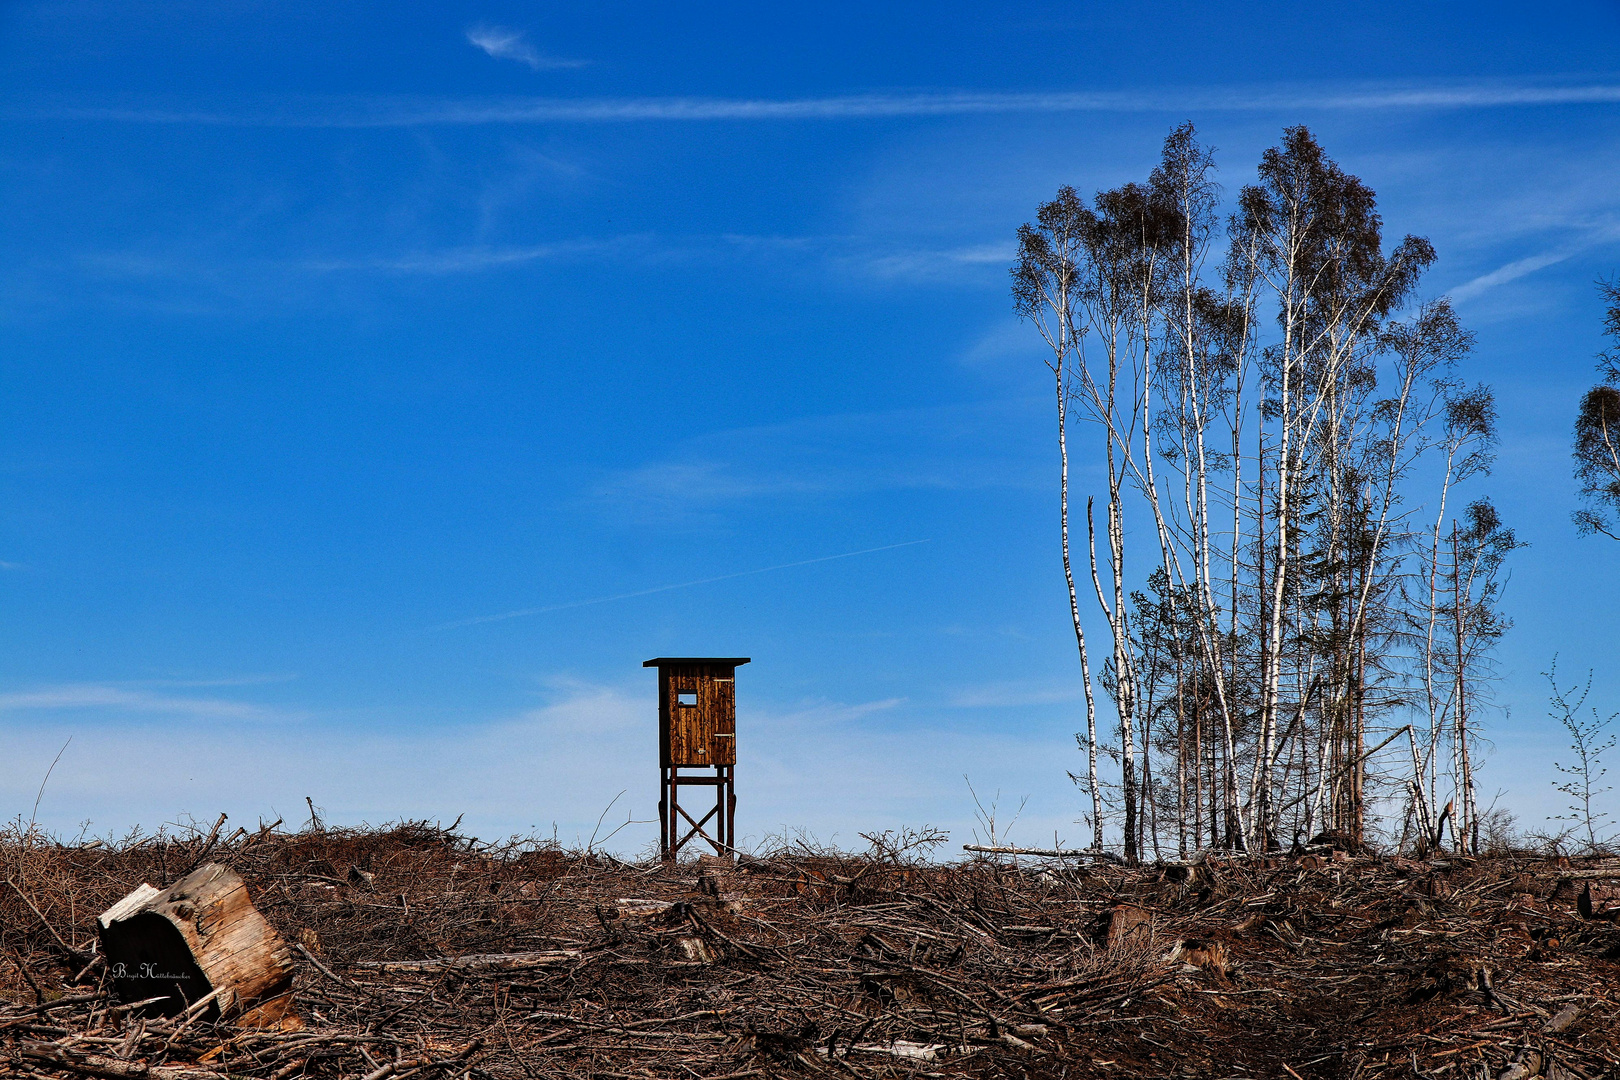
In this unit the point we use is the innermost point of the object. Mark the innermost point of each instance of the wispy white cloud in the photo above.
(928, 264)
(848, 259)
(1514, 270)
(1003, 342)
(1583, 232)
(108, 696)
(520, 613)
(400, 112)
(946, 448)
(465, 259)
(882, 258)
(228, 680)
(504, 44)
(1003, 695)
(704, 480)
(240, 276)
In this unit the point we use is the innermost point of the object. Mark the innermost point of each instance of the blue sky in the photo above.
(327, 331)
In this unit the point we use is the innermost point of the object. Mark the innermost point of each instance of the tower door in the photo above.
(691, 724)
(721, 709)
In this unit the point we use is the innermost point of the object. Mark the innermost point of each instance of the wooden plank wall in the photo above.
(705, 734)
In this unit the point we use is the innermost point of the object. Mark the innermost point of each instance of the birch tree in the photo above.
(1045, 284)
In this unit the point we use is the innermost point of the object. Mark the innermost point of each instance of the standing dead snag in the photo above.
(200, 937)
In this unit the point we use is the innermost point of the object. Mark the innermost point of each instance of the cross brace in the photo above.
(671, 837)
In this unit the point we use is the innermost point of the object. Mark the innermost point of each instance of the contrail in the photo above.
(666, 588)
(384, 112)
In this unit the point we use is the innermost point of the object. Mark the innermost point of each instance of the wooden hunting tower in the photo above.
(697, 729)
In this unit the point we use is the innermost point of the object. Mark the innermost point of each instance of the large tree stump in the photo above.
(201, 935)
(1125, 924)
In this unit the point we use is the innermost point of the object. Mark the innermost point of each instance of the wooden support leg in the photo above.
(731, 807)
(663, 813)
(720, 816)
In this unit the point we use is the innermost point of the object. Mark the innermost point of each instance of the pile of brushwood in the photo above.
(421, 953)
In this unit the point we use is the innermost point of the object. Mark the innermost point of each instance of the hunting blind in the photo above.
(697, 729)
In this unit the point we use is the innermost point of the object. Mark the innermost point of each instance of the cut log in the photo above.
(1566, 1016)
(641, 909)
(200, 935)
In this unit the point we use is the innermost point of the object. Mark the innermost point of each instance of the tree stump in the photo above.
(1126, 924)
(201, 935)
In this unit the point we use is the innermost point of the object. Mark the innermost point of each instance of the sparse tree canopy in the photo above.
(1597, 433)
(1597, 459)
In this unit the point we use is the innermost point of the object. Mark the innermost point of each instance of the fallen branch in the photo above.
(486, 962)
(1046, 853)
(112, 1068)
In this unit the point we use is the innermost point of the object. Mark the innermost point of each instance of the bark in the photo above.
(200, 937)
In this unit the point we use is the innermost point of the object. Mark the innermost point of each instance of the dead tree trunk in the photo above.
(202, 938)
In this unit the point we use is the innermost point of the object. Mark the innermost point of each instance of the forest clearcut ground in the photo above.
(545, 963)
